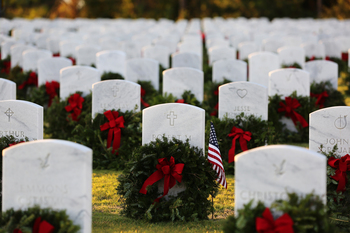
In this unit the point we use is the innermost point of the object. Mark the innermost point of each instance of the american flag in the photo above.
(214, 157)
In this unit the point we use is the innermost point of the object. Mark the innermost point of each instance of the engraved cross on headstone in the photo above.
(115, 89)
(9, 113)
(172, 117)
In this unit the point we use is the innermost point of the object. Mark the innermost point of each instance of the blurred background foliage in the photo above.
(174, 9)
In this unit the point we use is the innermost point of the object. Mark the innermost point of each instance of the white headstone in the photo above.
(49, 69)
(131, 48)
(7, 89)
(77, 78)
(186, 59)
(267, 173)
(247, 97)
(159, 53)
(6, 48)
(111, 61)
(260, 64)
(218, 53)
(67, 48)
(314, 50)
(143, 69)
(31, 57)
(332, 48)
(21, 119)
(86, 54)
(49, 173)
(323, 71)
(53, 44)
(289, 55)
(285, 81)
(115, 94)
(330, 127)
(230, 69)
(246, 48)
(271, 45)
(178, 80)
(16, 54)
(182, 121)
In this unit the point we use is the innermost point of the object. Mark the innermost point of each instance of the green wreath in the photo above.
(197, 176)
(24, 220)
(59, 124)
(5, 68)
(293, 65)
(110, 75)
(335, 98)
(262, 132)
(308, 214)
(88, 133)
(285, 135)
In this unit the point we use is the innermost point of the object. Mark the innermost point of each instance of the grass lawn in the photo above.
(106, 207)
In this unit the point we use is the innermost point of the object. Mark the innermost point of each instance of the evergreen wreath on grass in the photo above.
(41, 97)
(293, 65)
(307, 105)
(338, 198)
(88, 133)
(330, 98)
(187, 98)
(197, 176)
(25, 82)
(342, 65)
(25, 220)
(110, 75)
(148, 92)
(308, 215)
(7, 141)
(59, 122)
(5, 66)
(262, 132)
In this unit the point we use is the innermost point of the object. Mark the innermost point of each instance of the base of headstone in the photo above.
(289, 124)
(178, 188)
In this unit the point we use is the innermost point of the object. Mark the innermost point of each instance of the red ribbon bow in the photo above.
(51, 88)
(56, 54)
(7, 67)
(342, 165)
(321, 98)
(114, 125)
(75, 105)
(32, 80)
(345, 56)
(39, 227)
(243, 136)
(289, 107)
(73, 60)
(167, 169)
(143, 93)
(312, 58)
(15, 143)
(216, 108)
(266, 224)
(180, 101)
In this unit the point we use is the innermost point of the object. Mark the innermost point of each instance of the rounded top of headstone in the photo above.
(287, 70)
(142, 59)
(262, 53)
(92, 69)
(179, 69)
(330, 109)
(320, 62)
(21, 101)
(173, 105)
(106, 52)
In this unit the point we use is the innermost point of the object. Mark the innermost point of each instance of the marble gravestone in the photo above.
(77, 78)
(50, 173)
(157, 52)
(186, 59)
(178, 80)
(330, 127)
(86, 54)
(53, 44)
(31, 57)
(246, 48)
(143, 69)
(6, 48)
(323, 71)
(113, 61)
(182, 121)
(285, 81)
(237, 97)
(230, 69)
(49, 69)
(267, 173)
(7, 89)
(16, 54)
(115, 94)
(260, 64)
(289, 55)
(67, 48)
(314, 49)
(21, 119)
(218, 53)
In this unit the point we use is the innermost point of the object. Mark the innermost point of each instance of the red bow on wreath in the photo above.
(15, 143)
(75, 104)
(321, 98)
(167, 169)
(7, 67)
(32, 80)
(39, 227)
(114, 125)
(73, 60)
(266, 224)
(180, 101)
(345, 56)
(289, 107)
(243, 136)
(143, 93)
(312, 58)
(216, 108)
(51, 88)
(342, 165)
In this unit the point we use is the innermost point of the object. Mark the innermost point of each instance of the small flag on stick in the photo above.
(214, 157)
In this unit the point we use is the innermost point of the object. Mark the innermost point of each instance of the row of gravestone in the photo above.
(60, 171)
